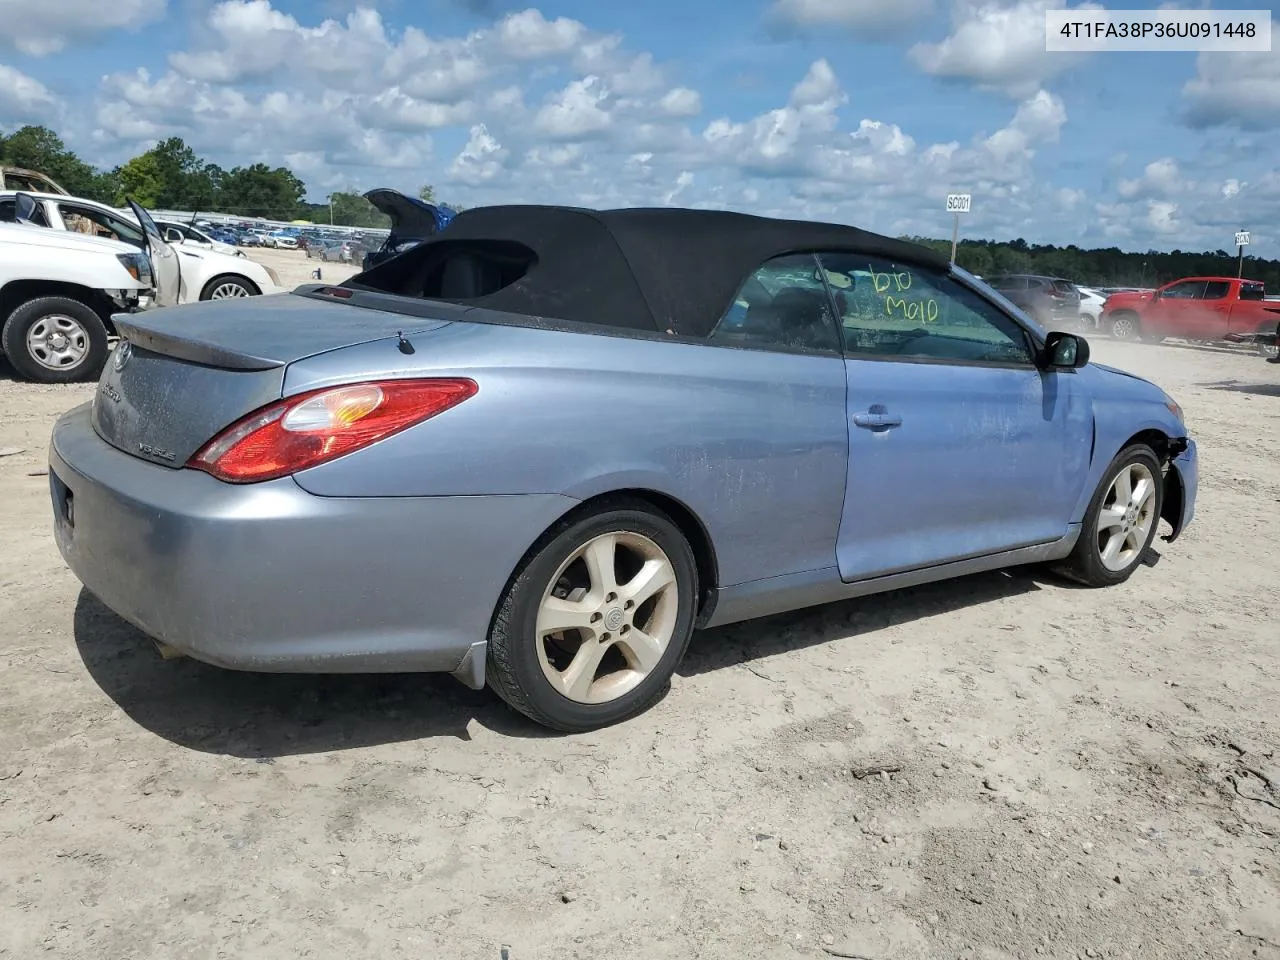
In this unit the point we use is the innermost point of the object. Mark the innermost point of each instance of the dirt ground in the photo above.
(1067, 773)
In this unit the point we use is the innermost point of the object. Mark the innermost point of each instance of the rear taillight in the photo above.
(312, 428)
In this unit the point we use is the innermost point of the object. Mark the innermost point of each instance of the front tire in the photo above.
(55, 340)
(228, 286)
(1125, 326)
(591, 628)
(1121, 520)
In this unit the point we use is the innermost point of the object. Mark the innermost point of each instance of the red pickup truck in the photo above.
(1195, 308)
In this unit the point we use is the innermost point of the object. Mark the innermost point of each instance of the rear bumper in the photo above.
(268, 577)
(1184, 471)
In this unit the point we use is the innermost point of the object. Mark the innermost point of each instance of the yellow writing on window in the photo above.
(924, 311)
(886, 284)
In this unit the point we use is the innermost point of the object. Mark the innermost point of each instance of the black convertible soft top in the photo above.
(650, 269)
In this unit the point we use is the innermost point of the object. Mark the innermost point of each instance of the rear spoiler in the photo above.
(132, 326)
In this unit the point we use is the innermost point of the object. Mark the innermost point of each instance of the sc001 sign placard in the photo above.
(958, 202)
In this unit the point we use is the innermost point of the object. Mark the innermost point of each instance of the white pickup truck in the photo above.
(58, 291)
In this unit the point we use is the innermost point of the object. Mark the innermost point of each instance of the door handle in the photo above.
(877, 418)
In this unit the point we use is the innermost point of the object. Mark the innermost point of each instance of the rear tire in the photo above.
(620, 660)
(55, 340)
(1118, 526)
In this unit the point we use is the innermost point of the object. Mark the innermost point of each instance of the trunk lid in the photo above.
(182, 374)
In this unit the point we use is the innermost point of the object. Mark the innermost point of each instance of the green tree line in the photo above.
(1105, 267)
(171, 176)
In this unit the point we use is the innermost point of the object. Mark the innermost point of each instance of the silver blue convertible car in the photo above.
(542, 447)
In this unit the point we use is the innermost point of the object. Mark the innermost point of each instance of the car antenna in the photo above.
(404, 345)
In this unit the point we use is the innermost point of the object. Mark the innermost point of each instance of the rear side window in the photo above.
(1064, 286)
(1253, 291)
(1215, 290)
(784, 305)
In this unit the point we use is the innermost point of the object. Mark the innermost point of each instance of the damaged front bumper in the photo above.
(1181, 482)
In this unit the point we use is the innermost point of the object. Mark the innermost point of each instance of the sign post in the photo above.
(1242, 241)
(957, 203)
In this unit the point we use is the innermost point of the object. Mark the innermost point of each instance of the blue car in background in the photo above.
(543, 445)
(412, 221)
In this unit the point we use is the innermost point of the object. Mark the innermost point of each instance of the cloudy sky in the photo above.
(864, 111)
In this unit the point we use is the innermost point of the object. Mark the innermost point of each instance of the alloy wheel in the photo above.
(607, 617)
(1127, 516)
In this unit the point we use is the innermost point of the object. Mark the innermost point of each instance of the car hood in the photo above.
(411, 218)
(1129, 299)
(37, 236)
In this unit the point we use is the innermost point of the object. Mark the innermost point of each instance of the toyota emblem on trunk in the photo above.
(123, 353)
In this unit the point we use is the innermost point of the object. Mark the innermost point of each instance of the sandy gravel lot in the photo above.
(1068, 773)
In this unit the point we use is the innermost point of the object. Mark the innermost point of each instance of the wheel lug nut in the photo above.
(611, 597)
(628, 605)
(595, 617)
(626, 628)
(604, 636)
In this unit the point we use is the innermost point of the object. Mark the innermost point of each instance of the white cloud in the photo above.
(42, 27)
(868, 18)
(480, 160)
(681, 102)
(1160, 179)
(1237, 89)
(579, 110)
(998, 45)
(529, 35)
(23, 98)
(527, 108)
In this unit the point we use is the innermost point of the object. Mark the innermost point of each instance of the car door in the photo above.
(1172, 312)
(1210, 318)
(959, 445)
(164, 259)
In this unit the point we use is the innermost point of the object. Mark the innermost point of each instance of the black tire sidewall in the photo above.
(222, 278)
(1088, 556)
(13, 340)
(544, 702)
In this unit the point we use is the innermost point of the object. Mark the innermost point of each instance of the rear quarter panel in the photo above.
(753, 443)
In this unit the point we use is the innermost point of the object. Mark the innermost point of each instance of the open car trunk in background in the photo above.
(412, 221)
(181, 375)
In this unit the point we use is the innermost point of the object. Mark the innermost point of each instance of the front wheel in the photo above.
(1125, 326)
(55, 340)
(590, 630)
(227, 287)
(1121, 520)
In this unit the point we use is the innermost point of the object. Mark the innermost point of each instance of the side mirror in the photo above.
(174, 236)
(1155, 294)
(1064, 351)
(24, 207)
